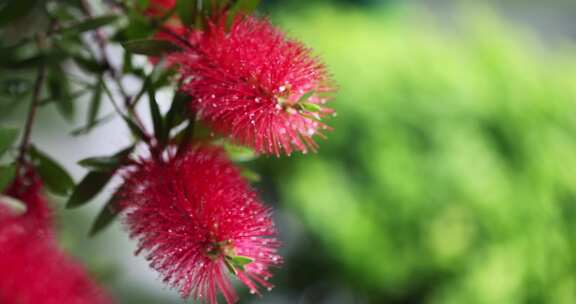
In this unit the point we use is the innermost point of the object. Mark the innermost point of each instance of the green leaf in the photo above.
(177, 113)
(306, 96)
(241, 6)
(95, 103)
(245, 6)
(139, 27)
(238, 153)
(160, 77)
(89, 187)
(230, 265)
(127, 65)
(59, 89)
(54, 176)
(7, 174)
(310, 107)
(241, 260)
(187, 11)
(89, 25)
(250, 175)
(106, 163)
(105, 217)
(89, 65)
(155, 112)
(150, 47)
(235, 263)
(73, 95)
(13, 10)
(87, 128)
(15, 87)
(7, 138)
(134, 128)
(52, 57)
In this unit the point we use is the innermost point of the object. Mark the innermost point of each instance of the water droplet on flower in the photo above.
(281, 89)
(252, 291)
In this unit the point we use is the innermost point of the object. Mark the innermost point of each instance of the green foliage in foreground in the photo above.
(450, 175)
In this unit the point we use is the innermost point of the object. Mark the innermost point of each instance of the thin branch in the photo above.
(114, 73)
(177, 37)
(30, 118)
(146, 137)
(112, 99)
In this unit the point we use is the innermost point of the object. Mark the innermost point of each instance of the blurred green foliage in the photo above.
(449, 176)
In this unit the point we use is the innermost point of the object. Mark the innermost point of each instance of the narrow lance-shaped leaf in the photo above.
(95, 103)
(90, 24)
(106, 216)
(7, 138)
(106, 163)
(155, 112)
(53, 175)
(87, 128)
(241, 261)
(13, 10)
(230, 265)
(245, 6)
(235, 263)
(89, 187)
(59, 89)
(310, 107)
(7, 174)
(241, 6)
(134, 128)
(52, 56)
(176, 114)
(89, 65)
(250, 175)
(188, 11)
(239, 153)
(150, 47)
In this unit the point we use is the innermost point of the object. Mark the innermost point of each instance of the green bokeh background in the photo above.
(449, 175)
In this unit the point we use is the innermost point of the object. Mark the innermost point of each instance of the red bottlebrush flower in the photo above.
(33, 269)
(197, 220)
(254, 84)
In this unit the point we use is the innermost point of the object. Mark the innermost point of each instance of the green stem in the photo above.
(30, 118)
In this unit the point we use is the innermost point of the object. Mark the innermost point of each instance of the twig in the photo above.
(38, 84)
(169, 32)
(114, 73)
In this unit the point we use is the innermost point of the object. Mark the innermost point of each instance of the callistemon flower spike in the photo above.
(252, 83)
(200, 223)
(33, 270)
